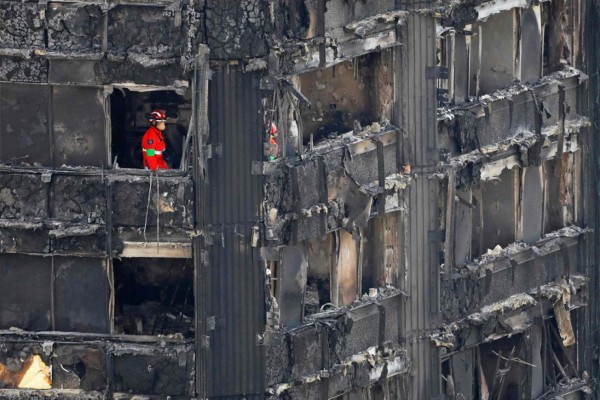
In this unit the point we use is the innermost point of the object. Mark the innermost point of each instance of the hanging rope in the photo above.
(157, 213)
(148, 207)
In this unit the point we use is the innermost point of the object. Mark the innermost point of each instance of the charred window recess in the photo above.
(129, 122)
(383, 251)
(561, 199)
(557, 353)
(347, 97)
(154, 296)
(335, 265)
(494, 46)
(321, 258)
(520, 204)
(493, 54)
(444, 63)
(343, 267)
(504, 368)
(496, 370)
(561, 33)
(495, 212)
(453, 55)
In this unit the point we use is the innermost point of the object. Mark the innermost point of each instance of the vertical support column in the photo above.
(233, 315)
(200, 133)
(415, 113)
(591, 178)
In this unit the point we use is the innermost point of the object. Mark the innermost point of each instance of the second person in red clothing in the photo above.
(153, 142)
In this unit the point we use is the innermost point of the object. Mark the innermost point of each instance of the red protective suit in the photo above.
(153, 145)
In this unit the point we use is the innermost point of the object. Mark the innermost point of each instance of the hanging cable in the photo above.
(148, 206)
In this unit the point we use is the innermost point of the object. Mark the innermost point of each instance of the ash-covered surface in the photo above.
(78, 242)
(79, 200)
(163, 374)
(331, 341)
(173, 202)
(493, 277)
(81, 367)
(66, 213)
(22, 196)
(460, 295)
(20, 26)
(87, 366)
(154, 31)
(236, 29)
(75, 28)
(23, 69)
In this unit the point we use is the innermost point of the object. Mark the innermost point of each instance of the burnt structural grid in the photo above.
(391, 199)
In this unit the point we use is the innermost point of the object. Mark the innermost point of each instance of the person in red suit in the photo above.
(153, 142)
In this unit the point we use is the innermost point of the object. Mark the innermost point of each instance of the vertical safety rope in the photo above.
(148, 206)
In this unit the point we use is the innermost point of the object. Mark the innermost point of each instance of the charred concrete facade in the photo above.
(424, 230)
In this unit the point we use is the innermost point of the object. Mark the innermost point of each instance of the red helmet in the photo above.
(157, 116)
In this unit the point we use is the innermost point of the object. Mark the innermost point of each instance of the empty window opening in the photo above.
(530, 44)
(495, 217)
(560, 360)
(447, 379)
(382, 252)
(318, 293)
(321, 258)
(556, 51)
(130, 112)
(553, 199)
(503, 372)
(497, 43)
(154, 296)
(347, 97)
(443, 51)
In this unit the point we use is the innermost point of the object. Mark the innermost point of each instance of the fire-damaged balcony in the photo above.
(541, 107)
(355, 179)
(343, 238)
(47, 212)
(340, 351)
(513, 279)
(520, 310)
(88, 366)
(519, 174)
(336, 34)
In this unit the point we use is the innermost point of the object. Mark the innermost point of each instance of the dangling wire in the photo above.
(148, 206)
(157, 213)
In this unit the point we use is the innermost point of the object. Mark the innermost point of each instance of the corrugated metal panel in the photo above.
(234, 283)
(416, 113)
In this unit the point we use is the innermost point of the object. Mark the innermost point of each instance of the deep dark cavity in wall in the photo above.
(154, 296)
(345, 97)
(503, 376)
(556, 49)
(129, 120)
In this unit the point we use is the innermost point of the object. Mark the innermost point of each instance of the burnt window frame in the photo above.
(187, 145)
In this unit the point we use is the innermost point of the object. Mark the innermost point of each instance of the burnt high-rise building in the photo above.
(365, 199)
